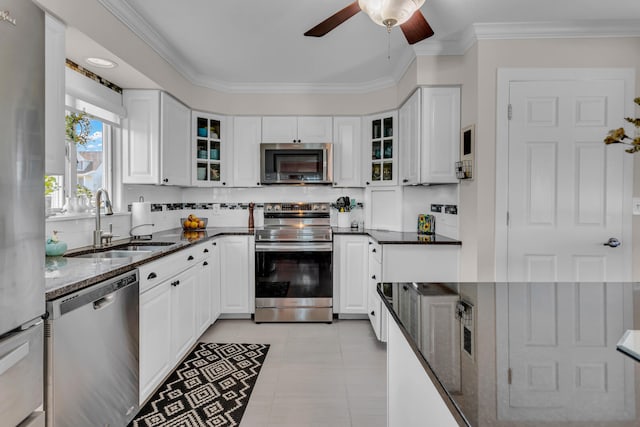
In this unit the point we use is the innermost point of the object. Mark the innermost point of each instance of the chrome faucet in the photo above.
(98, 235)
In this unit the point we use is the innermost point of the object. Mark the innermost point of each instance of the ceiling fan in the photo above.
(388, 13)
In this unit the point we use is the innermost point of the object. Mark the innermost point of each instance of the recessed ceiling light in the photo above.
(101, 62)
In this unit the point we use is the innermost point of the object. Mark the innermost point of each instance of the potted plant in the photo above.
(617, 136)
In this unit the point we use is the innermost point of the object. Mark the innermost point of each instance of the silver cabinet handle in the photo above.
(613, 242)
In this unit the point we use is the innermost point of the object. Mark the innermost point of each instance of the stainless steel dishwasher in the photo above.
(91, 350)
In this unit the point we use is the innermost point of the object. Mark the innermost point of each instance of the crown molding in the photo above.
(141, 28)
(560, 29)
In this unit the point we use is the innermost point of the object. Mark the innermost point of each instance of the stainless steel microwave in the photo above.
(296, 163)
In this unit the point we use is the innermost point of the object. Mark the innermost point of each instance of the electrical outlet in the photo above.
(451, 209)
(216, 209)
(636, 205)
(436, 208)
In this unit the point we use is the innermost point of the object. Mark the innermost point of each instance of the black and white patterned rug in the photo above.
(211, 388)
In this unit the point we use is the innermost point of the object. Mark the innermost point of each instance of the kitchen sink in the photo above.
(141, 246)
(124, 250)
(114, 253)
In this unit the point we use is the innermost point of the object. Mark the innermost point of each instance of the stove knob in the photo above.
(277, 208)
(315, 207)
(324, 208)
(268, 208)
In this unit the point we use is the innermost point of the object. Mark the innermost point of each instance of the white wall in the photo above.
(494, 54)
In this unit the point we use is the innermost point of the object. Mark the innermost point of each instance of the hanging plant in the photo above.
(77, 128)
(617, 136)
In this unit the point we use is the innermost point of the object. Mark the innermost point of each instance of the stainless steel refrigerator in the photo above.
(22, 300)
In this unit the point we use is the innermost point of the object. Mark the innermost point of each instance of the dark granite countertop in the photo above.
(386, 237)
(524, 354)
(66, 274)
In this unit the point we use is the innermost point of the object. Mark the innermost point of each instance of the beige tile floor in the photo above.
(314, 375)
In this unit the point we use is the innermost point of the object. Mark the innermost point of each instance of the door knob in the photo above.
(613, 242)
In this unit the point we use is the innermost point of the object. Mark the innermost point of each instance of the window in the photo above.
(88, 168)
(91, 162)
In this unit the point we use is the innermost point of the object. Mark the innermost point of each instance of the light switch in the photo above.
(636, 205)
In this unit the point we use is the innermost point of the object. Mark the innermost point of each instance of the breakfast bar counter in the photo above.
(387, 237)
(511, 354)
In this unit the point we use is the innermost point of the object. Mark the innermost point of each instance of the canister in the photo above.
(426, 224)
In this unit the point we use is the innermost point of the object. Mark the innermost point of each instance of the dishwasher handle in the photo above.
(104, 301)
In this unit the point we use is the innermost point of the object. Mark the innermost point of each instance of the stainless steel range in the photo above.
(294, 273)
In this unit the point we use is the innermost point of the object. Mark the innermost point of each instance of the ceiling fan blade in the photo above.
(416, 28)
(334, 20)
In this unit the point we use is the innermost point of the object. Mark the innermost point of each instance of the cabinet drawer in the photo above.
(156, 272)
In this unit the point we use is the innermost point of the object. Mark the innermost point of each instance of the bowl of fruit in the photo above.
(192, 222)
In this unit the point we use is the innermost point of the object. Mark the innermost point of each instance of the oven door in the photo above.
(294, 281)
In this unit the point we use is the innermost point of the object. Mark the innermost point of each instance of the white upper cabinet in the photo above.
(296, 129)
(429, 133)
(381, 149)
(211, 155)
(141, 137)
(440, 124)
(409, 140)
(176, 125)
(347, 152)
(54, 59)
(247, 134)
(155, 143)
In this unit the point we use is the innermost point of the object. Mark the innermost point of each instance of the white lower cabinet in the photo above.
(174, 311)
(377, 316)
(183, 314)
(204, 294)
(350, 257)
(155, 339)
(236, 274)
(215, 280)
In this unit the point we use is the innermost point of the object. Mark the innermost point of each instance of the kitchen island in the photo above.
(518, 354)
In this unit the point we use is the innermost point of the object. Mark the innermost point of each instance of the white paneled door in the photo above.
(566, 188)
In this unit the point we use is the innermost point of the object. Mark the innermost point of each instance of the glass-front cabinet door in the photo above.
(209, 155)
(381, 156)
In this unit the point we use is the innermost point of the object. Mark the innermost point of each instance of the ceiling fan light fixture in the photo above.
(390, 13)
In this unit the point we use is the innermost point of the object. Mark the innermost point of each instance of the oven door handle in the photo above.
(294, 247)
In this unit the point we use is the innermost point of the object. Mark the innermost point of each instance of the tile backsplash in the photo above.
(227, 207)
